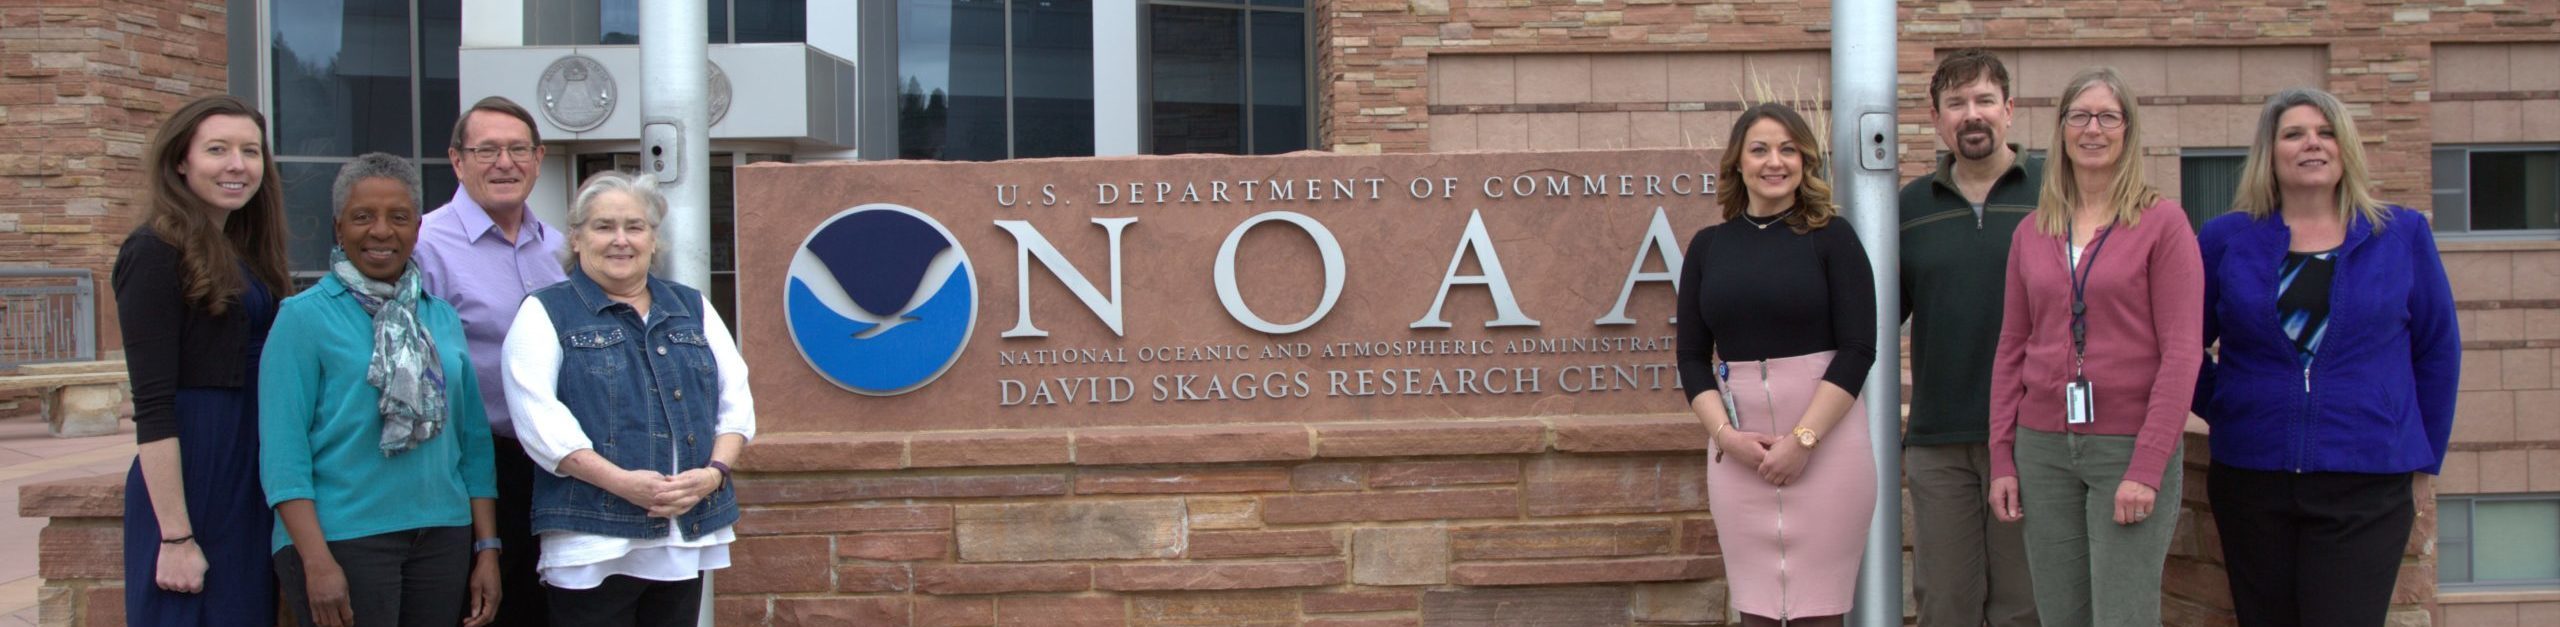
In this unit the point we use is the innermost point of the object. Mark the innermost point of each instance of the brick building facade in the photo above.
(1570, 520)
(82, 85)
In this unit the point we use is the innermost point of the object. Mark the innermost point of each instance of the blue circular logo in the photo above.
(881, 299)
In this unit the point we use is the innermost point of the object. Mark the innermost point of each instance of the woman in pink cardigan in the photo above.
(2099, 345)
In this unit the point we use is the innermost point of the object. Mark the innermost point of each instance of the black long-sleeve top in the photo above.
(168, 343)
(1749, 294)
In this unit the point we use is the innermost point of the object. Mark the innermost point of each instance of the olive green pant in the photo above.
(2087, 570)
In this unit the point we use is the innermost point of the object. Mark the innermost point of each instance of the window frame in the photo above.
(2458, 186)
(1147, 61)
(2471, 543)
(429, 151)
(1012, 126)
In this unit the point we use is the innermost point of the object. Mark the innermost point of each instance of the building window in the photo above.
(2502, 541)
(348, 77)
(1228, 78)
(2504, 190)
(617, 22)
(2208, 179)
(981, 80)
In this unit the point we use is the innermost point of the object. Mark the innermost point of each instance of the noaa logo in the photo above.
(881, 299)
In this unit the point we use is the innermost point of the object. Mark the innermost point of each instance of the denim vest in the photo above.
(646, 393)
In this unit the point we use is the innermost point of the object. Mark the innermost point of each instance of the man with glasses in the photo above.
(483, 252)
(1968, 569)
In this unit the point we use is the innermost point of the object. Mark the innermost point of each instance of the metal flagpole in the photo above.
(675, 146)
(1864, 177)
(675, 131)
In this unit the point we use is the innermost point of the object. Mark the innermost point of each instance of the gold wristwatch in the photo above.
(1807, 437)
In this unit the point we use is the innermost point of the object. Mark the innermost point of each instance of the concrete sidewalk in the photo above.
(28, 455)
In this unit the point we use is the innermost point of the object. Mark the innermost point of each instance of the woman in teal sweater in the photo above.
(374, 449)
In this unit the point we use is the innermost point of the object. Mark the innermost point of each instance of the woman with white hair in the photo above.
(628, 391)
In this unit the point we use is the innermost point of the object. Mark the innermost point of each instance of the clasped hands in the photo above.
(1779, 460)
(665, 496)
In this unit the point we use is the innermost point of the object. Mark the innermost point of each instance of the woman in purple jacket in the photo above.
(2335, 377)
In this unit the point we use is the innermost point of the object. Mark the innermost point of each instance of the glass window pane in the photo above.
(772, 21)
(618, 22)
(1197, 70)
(342, 77)
(440, 80)
(2206, 185)
(306, 214)
(951, 80)
(2525, 536)
(2515, 190)
(716, 19)
(724, 206)
(439, 182)
(1053, 78)
(1279, 82)
(2453, 540)
(2453, 176)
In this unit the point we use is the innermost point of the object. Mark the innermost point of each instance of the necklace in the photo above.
(1773, 220)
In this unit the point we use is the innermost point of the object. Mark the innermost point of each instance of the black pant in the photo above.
(524, 604)
(624, 601)
(2318, 548)
(411, 578)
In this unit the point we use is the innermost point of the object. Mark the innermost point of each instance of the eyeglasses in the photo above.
(489, 154)
(2080, 119)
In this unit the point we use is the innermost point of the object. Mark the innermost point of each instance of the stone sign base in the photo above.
(1562, 521)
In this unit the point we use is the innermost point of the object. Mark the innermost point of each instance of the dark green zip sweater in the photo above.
(1954, 267)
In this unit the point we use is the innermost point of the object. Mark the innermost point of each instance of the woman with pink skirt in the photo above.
(1777, 330)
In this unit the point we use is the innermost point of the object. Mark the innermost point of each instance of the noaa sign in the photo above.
(882, 299)
(1183, 290)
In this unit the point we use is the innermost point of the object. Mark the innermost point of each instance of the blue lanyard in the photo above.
(2079, 272)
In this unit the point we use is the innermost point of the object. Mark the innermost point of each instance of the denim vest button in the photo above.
(662, 350)
(679, 394)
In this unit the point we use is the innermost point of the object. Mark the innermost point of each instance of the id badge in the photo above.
(1724, 381)
(2078, 406)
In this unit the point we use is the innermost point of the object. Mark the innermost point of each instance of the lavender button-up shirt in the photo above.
(465, 259)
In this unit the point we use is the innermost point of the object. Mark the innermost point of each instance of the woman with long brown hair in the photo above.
(196, 289)
(1777, 328)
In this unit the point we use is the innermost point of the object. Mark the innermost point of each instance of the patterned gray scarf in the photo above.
(405, 365)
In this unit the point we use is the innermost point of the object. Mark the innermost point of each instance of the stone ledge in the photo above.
(1192, 445)
(834, 489)
(1629, 434)
(1491, 437)
(1220, 444)
(990, 448)
(99, 496)
(797, 452)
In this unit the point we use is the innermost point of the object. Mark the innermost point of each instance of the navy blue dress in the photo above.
(218, 449)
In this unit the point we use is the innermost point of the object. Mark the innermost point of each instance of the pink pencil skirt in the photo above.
(1793, 552)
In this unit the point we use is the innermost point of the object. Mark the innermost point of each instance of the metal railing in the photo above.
(47, 315)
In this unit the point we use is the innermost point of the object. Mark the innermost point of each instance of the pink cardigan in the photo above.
(2146, 339)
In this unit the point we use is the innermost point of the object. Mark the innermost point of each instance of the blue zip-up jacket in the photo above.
(2377, 398)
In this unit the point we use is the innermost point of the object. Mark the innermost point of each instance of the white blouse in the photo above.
(579, 561)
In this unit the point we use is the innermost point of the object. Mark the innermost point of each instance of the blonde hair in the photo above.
(2258, 195)
(1813, 208)
(2128, 196)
